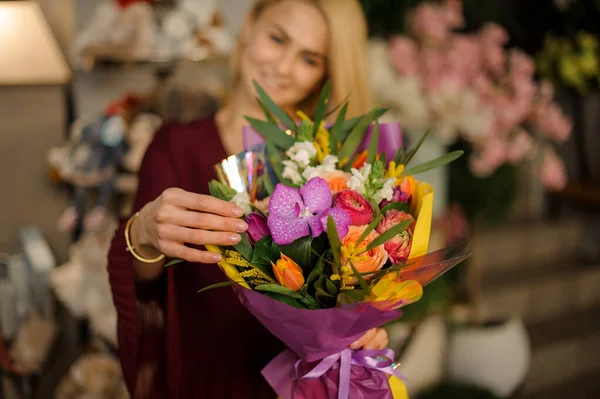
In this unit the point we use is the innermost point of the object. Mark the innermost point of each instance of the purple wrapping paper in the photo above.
(390, 138)
(312, 335)
(317, 333)
(365, 383)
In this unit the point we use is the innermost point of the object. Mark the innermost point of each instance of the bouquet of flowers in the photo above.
(337, 243)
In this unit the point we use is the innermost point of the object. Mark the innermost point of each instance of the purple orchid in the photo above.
(297, 213)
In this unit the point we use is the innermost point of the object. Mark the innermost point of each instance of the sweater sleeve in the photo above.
(132, 299)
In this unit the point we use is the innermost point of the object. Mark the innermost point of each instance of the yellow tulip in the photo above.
(391, 292)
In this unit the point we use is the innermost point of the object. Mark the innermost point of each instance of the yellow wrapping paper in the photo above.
(229, 270)
(398, 388)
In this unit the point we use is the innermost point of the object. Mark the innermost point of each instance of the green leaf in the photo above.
(374, 144)
(375, 206)
(400, 206)
(399, 156)
(348, 166)
(383, 160)
(221, 191)
(326, 291)
(374, 223)
(352, 295)
(218, 285)
(294, 302)
(261, 255)
(321, 107)
(271, 133)
(304, 251)
(411, 153)
(334, 243)
(310, 302)
(267, 184)
(305, 132)
(351, 123)
(275, 161)
(313, 276)
(361, 281)
(174, 262)
(434, 163)
(268, 115)
(388, 235)
(274, 108)
(355, 137)
(335, 132)
(334, 109)
(244, 247)
(278, 289)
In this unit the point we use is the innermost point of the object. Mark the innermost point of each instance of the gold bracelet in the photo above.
(130, 247)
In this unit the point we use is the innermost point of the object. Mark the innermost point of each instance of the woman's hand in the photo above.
(178, 217)
(376, 338)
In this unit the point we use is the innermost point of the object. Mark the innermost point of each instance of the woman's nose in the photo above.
(285, 63)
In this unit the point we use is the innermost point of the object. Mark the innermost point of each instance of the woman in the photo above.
(175, 343)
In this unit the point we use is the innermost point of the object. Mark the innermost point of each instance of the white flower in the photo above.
(328, 166)
(290, 171)
(243, 201)
(387, 192)
(302, 153)
(329, 163)
(357, 181)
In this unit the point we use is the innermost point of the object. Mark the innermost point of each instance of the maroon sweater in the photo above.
(175, 342)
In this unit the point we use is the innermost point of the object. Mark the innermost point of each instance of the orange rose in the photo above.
(369, 261)
(337, 181)
(288, 273)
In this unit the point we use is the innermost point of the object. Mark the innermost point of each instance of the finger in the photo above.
(200, 220)
(188, 254)
(380, 340)
(169, 232)
(200, 202)
(364, 339)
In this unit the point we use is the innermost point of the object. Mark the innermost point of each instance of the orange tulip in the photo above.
(288, 273)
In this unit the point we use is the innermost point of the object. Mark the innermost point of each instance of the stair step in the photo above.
(563, 349)
(536, 295)
(516, 246)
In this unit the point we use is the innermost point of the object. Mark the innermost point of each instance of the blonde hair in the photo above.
(346, 55)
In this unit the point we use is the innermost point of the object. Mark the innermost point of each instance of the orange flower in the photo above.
(337, 181)
(288, 273)
(360, 159)
(369, 261)
(406, 184)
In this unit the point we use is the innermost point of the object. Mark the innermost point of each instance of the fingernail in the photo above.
(235, 238)
(217, 257)
(241, 226)
(237, 212)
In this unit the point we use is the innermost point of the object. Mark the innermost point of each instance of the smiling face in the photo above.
(285, 52)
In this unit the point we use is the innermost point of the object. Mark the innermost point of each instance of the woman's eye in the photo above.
(277, 39)
(311, 61)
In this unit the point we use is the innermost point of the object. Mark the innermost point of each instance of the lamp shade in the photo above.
(29, 52)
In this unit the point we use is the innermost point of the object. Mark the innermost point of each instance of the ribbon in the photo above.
(375, 359)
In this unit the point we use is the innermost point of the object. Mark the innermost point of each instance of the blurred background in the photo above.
(515, 84)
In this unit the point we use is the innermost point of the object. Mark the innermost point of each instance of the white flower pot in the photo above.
(496, 356)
